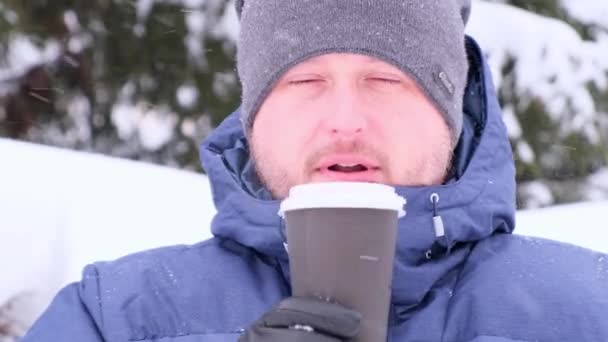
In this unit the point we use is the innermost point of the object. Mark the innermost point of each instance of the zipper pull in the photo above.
(441, 241)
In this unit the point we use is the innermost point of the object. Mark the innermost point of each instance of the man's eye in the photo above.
(385, 80)
(304, 81)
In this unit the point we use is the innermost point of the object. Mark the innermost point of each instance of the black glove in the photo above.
(305, 320)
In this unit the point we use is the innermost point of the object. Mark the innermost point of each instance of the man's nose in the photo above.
(347, 115)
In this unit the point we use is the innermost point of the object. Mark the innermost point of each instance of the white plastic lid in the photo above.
(343, 195)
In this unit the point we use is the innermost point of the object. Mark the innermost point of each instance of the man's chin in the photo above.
(331, 176)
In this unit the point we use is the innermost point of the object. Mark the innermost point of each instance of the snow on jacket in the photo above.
(480, 284)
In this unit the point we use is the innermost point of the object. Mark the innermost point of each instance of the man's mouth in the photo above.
(348, 168)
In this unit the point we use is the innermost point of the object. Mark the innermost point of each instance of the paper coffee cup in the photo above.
(341, 244)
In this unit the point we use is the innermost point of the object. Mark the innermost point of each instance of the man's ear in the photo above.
(465, 10)
(238, 4)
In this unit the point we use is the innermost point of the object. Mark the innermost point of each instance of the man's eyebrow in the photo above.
(375, 61)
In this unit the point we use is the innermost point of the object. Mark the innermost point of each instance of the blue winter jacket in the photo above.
(481, 284)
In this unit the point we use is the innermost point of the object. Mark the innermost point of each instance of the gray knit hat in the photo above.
(423, 38)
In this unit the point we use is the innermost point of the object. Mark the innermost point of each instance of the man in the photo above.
(384, 91)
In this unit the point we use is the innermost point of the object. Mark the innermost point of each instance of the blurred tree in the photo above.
(137, 79)
(558, 147)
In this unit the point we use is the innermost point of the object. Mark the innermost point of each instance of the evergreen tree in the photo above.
(555, 149)
(121, 68)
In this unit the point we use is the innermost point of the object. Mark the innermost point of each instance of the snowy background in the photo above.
(147, 80)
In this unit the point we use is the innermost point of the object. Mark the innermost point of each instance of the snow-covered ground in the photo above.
(61, 209)
(584, 224)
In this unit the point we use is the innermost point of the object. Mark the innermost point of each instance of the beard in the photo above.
(279, 173)
(278, 178)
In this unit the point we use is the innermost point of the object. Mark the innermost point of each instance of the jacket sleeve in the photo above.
(73, 315)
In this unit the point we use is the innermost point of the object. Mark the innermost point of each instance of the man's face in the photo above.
(348, 117)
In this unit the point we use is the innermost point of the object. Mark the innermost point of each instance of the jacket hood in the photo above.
(478, 202)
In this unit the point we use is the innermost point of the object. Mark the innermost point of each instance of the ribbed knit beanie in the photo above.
(423, 38)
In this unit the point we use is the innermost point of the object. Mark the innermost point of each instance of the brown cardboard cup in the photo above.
(341, 244)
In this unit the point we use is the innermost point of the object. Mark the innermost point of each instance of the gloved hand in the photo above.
(305, 320)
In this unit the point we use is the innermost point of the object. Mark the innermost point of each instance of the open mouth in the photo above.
(348, 168)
